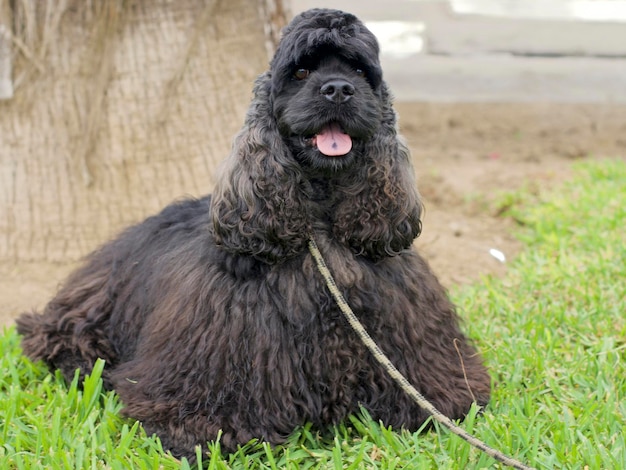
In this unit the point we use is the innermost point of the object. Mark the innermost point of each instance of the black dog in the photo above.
(212, 315)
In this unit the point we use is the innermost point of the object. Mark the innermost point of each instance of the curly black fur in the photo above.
(212, 316)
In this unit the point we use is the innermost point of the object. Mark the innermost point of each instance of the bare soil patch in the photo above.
(465, 156)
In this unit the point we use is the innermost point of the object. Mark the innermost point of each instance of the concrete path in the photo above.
(477, 58)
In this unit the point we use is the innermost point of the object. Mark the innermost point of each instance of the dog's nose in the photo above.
(337, 91)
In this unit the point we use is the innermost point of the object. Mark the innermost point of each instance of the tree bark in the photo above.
(119, 107)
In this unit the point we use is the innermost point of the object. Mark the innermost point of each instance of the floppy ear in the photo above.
(257, 207)
(380, 212)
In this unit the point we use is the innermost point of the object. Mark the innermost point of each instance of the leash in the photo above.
(395, 374)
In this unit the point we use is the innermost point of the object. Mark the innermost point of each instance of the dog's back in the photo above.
(101, 308)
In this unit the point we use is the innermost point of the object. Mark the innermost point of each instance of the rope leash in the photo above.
(395, 374)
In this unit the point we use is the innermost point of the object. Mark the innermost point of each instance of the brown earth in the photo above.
(465, 156)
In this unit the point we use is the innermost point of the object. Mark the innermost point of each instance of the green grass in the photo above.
(553, 332)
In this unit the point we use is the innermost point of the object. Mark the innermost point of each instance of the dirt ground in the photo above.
(465, 156)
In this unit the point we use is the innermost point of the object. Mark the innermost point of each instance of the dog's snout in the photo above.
(338, 91)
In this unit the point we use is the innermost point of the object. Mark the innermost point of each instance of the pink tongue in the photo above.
(332, 142)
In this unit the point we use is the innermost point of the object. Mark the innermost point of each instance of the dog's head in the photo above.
(321, 115)
(326, 88)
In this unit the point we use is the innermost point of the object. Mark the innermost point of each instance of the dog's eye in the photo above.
(301, 74)
(360, 72)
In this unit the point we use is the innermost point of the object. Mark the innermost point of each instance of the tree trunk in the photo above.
(119, 107)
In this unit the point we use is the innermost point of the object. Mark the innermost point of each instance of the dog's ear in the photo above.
(257, 207)
(379, 215)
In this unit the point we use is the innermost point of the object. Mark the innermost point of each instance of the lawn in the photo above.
(553, 332)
